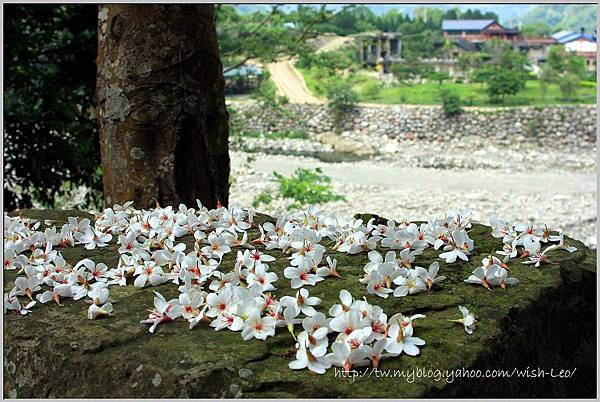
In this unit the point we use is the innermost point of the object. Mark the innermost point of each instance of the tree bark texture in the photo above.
(160, 91)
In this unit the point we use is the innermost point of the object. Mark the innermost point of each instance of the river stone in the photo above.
(547, 321)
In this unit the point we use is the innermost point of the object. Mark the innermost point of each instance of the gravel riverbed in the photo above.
(521, 183)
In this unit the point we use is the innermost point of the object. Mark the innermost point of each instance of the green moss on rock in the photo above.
(548, 320)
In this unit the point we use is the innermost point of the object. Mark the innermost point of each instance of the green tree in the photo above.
(405, 72)
(50, 132)
(568, 84)
(439, 76)
(354, 19)
(506, 77)
(265, 35)
(451, 102)
(390, 21)
(538, 28)
(565, 69)
(546, 77)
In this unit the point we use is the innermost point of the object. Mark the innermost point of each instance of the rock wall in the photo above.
(572, 125)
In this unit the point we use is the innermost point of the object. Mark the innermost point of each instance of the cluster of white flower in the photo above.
(46, 266)
(364, 335)
(493, 272)
(381, 273)
(530, 238)
(239, 299)
(449, 234)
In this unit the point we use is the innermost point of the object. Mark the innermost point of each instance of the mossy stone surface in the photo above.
(546, 321)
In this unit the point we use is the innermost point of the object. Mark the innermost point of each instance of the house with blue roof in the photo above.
(581, 43)
(242, 80)
(564, 37)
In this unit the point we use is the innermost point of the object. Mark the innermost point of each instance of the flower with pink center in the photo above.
(164, 311)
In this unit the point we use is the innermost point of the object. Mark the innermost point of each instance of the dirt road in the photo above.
(289, 81)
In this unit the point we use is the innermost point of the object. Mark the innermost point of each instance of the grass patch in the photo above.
(475, 95)
(428, 93)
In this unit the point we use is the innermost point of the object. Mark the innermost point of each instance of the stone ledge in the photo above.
(548, 320)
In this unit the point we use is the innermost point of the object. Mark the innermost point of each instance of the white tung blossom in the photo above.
(237, 296)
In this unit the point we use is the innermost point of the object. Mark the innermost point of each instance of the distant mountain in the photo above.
(504, 11)
(571, 16)
(562, 17)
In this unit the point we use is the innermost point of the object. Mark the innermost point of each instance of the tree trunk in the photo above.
(160, 90)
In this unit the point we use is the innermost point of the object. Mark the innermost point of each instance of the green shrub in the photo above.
(276, 135)
(306, 187)
(341, 98)
(568, 84)
(451, 103)
(266, 93)
(371, 89)
(265, 197)
(288, 134)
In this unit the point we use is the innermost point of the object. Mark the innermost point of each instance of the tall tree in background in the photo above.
(50, 136)
(266, 35)
(164, 128)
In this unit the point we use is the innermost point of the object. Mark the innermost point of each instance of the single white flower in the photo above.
(258, 327)
(430, 276)
(377, 285)
(315, 361)
(254, 258)
(468, 320)
(26, 286)
(11, 302)
(164, 311)
(117, 276)
(330, 269)
(301, 276)
(346, 304)
(407, 257)
(562, 244)
(261, 276)
(375, 352)
(478, 277)
(343, 356)
(460, 247)
(498, 276)
(93, 238)
(149, 272)
(316, 340)
(533, 252)
(94, 311)
(410, 284)
(59, 290)
(301, 303)
(530, 232)
(191, 302)
(401, 339)
(347, 323)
